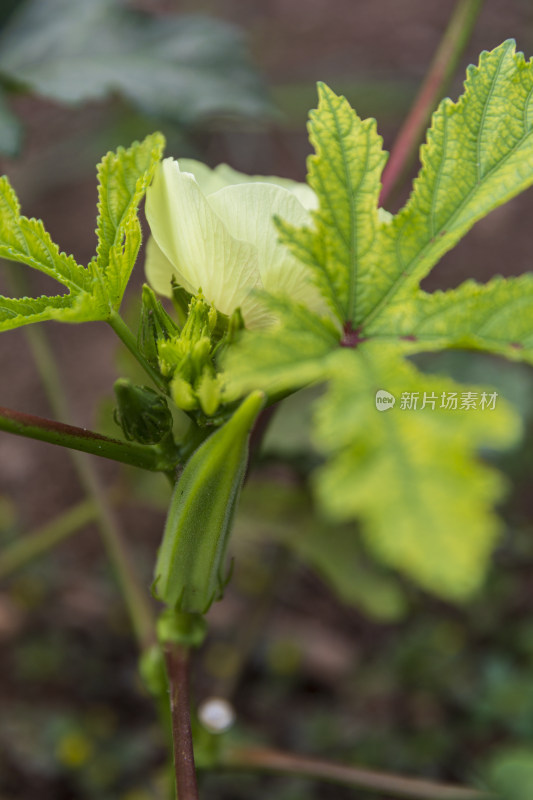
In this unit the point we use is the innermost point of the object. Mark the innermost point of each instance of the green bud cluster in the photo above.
(184, 355)
(186, 359)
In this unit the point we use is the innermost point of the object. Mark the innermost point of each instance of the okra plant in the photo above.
(274, 285)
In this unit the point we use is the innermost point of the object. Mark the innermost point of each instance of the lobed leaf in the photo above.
(411, 477)
(26, 240)
(478, 155)
(15, 312)
(94, 292)
(345, 175)
(124, 176)
(496, 317)
(291, 355)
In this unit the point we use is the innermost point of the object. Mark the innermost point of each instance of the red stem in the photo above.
(53, 432)
(177, 662)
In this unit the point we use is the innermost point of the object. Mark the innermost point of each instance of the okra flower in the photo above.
(213, 230)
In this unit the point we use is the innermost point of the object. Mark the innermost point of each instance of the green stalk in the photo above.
(128, 338)
(440, 73)
(29, 547)
(47, 430)
(265, 759)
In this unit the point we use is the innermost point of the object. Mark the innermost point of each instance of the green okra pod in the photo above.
(190, 569)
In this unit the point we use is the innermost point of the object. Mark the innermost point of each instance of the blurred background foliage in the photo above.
(321, 650)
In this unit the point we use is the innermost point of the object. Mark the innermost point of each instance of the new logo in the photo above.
(384, 400)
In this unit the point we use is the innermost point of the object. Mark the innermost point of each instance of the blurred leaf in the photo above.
(411, 476)
(511, 379)
(510, 774)
(180, 67)
(289, 431)
(334, 552)
(10, 129)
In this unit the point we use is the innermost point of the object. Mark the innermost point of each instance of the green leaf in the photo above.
(184, 68)
(15, 312)
(25, 240)
(94, 292)
(496, 316)
(284, 513)
(478, 155)
(345, 175)
(288, 357)
(123, 177)
(509, 774)
(411, 476)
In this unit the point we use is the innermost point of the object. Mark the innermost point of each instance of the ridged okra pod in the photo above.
(190, 571)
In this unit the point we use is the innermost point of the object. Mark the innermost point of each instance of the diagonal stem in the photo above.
(262, 758)
(439, 75)
(47, 430)
(29, 547)
(128, 339)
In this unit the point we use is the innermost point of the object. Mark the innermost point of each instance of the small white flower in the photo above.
(213, 230)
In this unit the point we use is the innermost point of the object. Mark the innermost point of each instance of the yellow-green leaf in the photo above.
(345, 175)
(412, 476)
(478, 155)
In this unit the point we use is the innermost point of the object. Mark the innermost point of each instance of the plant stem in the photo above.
(440, 73)
(127, 337)
(47, 430)
(177, 662)
(259, 758)
(21, 551)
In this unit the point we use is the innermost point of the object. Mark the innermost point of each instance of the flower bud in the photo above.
(143, 415)
(155, 326)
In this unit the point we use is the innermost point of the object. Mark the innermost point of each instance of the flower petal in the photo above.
(202, 252)
(247, 211)
(160, 271)
(211, 180)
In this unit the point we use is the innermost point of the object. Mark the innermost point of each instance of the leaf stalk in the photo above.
(129, 340)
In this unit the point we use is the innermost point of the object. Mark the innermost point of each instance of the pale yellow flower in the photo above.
(213, 230)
